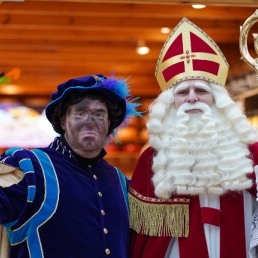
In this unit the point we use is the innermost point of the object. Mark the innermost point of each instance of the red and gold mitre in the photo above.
(189, 53)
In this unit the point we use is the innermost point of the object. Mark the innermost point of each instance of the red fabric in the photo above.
(206, 66)
(194, 245)
(254, 155)
(141, 179)
(211, 216)
(176, 48)
(254, 152)
(230, 220)
(232, 229)
(199, 45)
(173, 70)
(143, 246)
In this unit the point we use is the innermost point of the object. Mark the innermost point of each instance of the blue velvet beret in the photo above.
(116, 90)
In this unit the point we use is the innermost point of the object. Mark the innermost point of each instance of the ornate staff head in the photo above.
(244, 30)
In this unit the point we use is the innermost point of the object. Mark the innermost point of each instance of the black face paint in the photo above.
(86, 126)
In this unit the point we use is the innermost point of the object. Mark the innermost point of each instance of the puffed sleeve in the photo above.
(13, 190)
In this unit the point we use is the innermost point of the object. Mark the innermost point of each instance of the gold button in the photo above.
(103, 212)
(107, 251)
(105, 230)
(95, 177)
(100, 194)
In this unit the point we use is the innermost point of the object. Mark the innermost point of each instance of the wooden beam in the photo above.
(121, 9)
(253, 3)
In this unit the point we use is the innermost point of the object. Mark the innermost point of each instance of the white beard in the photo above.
(198, 153)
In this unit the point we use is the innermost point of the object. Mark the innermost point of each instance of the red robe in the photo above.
(230, 218)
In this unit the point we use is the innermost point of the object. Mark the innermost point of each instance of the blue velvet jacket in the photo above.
(65, 206)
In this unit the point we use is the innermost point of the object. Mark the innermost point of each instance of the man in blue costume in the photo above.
(65, 200)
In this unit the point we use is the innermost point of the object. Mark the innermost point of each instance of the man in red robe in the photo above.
(193, 191)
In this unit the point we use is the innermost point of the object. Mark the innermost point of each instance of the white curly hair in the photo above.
(200, 153)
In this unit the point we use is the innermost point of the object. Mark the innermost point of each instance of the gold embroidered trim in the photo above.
(159, 219)
(158, 200)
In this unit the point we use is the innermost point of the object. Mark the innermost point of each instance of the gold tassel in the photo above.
(159, 219)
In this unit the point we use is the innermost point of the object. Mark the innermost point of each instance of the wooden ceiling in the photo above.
(53, 41)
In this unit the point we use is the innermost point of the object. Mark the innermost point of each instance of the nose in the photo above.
(192, 96)
(90, 119)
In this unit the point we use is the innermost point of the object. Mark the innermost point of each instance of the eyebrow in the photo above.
(199, 85)
(82, 107)
(203, 86)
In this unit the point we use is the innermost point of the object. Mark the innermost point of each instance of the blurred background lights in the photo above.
(142, 48)
(198, 6)
(165, 30)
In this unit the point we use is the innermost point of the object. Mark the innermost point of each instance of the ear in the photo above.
(62, 122)
(108, 127)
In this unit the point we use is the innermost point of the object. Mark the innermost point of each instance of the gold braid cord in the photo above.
(157, 217)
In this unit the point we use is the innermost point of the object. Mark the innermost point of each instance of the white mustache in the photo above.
(196, 105)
